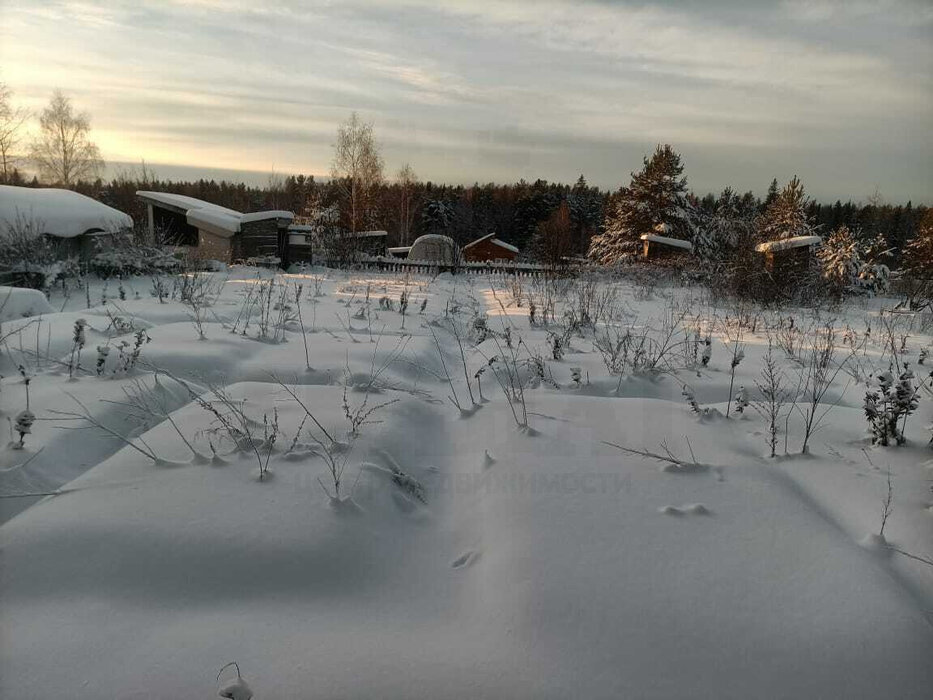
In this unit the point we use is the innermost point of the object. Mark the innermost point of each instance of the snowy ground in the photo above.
(467, 556)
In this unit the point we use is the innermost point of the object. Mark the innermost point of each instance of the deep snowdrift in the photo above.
(475, 559)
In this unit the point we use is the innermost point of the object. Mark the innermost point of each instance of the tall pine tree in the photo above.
(655, 200)
(786, 216)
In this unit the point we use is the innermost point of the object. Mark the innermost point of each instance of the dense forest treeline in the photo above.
(513, 211)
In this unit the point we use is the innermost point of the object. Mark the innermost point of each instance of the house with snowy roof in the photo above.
(786, 259)
(216, 232)
(660, 244)
(489, 248)
(79, 224)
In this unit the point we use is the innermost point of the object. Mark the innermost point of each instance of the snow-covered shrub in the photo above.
(22, 424)
(102, 352)
(79, 339)
(125, 259)
(840, 261)
(888, 407)
(159, 290)
(559, 342)
(29, 254)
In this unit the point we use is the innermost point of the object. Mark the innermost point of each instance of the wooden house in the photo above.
(489, 248)
(787, 259)
(215, 232)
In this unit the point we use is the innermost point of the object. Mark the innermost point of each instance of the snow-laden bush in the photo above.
(31, 256)
(888, 407)
(127, 260)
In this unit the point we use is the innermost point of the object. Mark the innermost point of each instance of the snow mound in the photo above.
(22, 303)
(59, 213)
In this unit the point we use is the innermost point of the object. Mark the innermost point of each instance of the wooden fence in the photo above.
(432, 267)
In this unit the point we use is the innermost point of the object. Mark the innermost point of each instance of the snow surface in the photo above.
(788, 243)
(538, 563)
(60, 213)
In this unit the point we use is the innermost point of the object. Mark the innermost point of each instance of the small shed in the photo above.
(216, 232)
(488, 248)
(786, 259)
(657, 246)
(78, 223)
(369, 242)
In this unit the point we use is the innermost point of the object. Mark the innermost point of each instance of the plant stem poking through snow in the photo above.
(773, 396)
(235, 689)
(887, 506)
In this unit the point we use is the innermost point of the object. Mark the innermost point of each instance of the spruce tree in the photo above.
(773, 192)
(655, 200)
(726, 227)
(917, 265)
(586, 210)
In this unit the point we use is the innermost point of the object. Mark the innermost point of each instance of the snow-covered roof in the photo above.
(665, 240)
(788, 243)
(212, 217)
(503, 244)
(492, 239)
(59, 213)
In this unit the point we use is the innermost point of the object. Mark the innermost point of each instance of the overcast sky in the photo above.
(837, 91)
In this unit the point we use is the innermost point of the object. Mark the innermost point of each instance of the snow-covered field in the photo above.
(499, 549)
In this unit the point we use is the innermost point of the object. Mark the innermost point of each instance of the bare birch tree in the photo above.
(11, 121)
(357, 165)
(63, 151)
(406, 179)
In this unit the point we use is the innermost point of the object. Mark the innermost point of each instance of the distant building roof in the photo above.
(212, 217)
(56, 212)
(492, 239)
(665, 240)
(788, 243)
